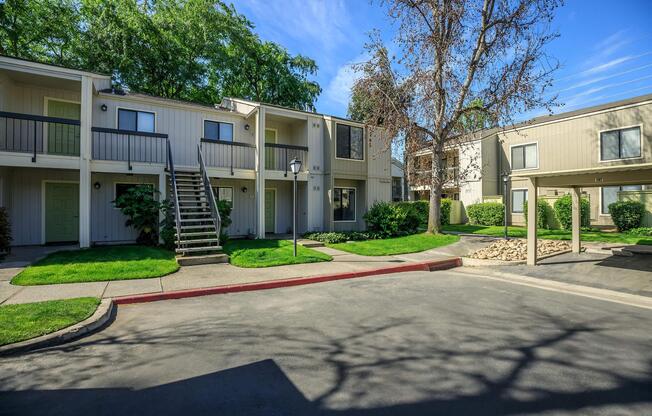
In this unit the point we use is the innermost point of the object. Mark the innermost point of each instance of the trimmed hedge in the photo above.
(543, 207)
(341, 237)
(486, 213)
(627, 214)
(422, 209)
(391, 220)
(564, 212)
(642, 231)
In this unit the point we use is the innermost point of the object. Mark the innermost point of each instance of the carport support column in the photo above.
(85, 121)
(260, 173)
(532, 221)
(576, 220)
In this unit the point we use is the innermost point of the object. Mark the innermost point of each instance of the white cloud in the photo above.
(338, 91)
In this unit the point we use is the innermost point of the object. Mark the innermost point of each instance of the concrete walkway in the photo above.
(196, 277)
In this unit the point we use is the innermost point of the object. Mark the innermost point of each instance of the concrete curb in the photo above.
(297, 281)
(563, 287)
(100, 317)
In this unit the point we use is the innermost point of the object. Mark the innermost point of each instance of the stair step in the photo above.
(200, 241)
(198, 249)
(202, 259)
(196, 233)
(196, 220)
(198, 227)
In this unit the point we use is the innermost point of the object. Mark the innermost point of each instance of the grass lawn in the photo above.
(266, 253)
(29, 320)
(398, 245)
(99, 264)
(521, 232)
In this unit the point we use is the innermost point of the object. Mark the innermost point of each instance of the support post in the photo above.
(532, 222)
(260, 172)
(85, 120)
(162, 192)
(576, 220)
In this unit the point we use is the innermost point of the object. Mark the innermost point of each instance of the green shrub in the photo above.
(627, 214)
(486, 213)
(166, 227)
(543, 207)
(642, 231)
(335, 237)
(5, 231)
(224, 208)
(422, 210)
(391, 220)
(564, 212)
(142, 209)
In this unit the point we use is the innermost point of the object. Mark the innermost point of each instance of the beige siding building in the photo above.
(69, 145)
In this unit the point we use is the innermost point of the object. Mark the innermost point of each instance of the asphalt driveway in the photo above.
(415, 343)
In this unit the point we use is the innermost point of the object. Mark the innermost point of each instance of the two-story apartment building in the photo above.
(70, 145)
(603, 153)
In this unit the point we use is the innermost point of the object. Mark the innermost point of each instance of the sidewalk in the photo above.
(212, 275)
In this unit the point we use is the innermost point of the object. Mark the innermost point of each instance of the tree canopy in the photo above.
(196, 50)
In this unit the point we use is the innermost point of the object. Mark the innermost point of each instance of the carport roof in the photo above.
(628, 174)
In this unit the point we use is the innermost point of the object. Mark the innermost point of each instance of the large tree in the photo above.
(198, 50)
(460, 65)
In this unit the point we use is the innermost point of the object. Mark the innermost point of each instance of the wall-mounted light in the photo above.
(97, 185)
(103, 107)
(246, 126)
(244, 189)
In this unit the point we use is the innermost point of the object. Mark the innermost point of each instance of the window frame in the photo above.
(216, 191)
(511, 200)
(119, 182)
(355, 203)
(219, 138)
(134, 110)
(511, 161)
(601, 195)
(619, 130)
(350, 126)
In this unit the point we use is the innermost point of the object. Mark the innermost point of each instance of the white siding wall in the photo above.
(316, 188)
(243, 215)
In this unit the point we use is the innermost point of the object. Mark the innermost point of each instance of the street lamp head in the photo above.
(505, 177)
(295, 165)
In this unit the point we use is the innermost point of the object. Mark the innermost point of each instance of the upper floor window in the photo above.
(620, 144)
(349, 142)
(525, 156)
(217, 130)
(136, 120)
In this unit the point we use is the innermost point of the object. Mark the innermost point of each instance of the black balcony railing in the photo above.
(227, 154)
(278, 156)
(129, 146)
(28, 133)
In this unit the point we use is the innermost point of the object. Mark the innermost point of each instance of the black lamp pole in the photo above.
(505, 179)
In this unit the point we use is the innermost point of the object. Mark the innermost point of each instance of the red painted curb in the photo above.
(296, 281)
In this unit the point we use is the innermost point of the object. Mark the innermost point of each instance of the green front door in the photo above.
(270, 210)
(270, 152)
(63, 139)
(61, 212)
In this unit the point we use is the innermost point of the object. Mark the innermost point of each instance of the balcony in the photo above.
(34, 134)
(228, 154)
(278, 157)
(128, 146)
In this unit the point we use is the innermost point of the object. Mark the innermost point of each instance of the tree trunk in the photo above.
(434, 214)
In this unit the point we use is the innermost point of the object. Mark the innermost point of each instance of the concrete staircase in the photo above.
(198, 241)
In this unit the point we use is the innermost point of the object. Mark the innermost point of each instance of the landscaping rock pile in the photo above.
(512, 250)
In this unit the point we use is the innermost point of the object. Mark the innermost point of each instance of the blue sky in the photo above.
(605, 47)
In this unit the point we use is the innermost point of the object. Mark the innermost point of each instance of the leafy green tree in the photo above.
(197, 50)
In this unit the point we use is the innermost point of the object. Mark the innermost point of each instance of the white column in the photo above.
(576, 220)
(532, 221)
(260, 173)
(163, 194)
(85, 120)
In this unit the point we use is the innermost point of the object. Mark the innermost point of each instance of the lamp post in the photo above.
(505, 179)
(295, 167)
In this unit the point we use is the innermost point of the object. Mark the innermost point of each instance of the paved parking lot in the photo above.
(415, 343)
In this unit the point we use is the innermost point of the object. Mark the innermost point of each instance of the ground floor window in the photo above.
(224, 193)
(609, 195)
(122, 188)
(519, 196)
(344, 204)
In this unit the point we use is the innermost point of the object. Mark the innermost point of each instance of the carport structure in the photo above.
(623, 174)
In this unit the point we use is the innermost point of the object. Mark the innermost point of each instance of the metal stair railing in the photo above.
(175, 198)
(208, 189)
